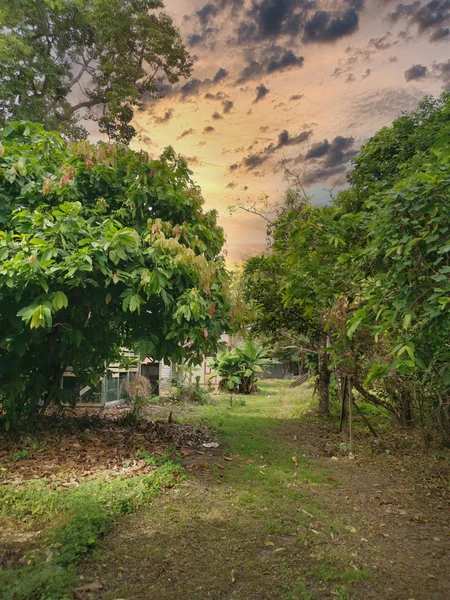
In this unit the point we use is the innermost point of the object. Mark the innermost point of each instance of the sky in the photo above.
(296, 84)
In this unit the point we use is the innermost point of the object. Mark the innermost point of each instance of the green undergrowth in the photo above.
(76, 521)
(248, 524)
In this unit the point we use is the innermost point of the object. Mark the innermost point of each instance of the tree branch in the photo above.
(85, 104)
(373, 399)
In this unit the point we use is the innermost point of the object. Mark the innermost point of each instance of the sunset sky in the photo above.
(290, 81)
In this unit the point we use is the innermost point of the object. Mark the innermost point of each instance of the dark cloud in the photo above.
(256, 159)
(207, 35)
(330, 158)
(233, 167)
(287, 61)
(431, 18)
(252, 70)
(296, 97)
(191, 88)
(264, 128)
(166, 117)
(350, 79)
(208, 129)
(324, 27)
(206, 19)
(284, 139)
(185, 133)
(318, 150)
(206, 13)
(220, 75)
(269, 20)
(231, 185)
(216, 116)
(334, 153)
(271, 60)
(416, 72)
(261, 92)
(217, 96)
(227, 106)
(442, 70)
(194, 86)
(367, 73)
(441, 33)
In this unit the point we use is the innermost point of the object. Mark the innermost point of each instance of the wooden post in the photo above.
(350, 413)
(343, 427)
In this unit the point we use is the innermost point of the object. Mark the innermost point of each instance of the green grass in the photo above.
(246, 518)
(79, 519)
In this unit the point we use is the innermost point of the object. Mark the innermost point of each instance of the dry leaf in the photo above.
(295, 461)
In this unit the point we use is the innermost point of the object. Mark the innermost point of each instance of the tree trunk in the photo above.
(324, 379)
(406, 408)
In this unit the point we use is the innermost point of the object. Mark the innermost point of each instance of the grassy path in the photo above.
(270, 515)
(241, 528)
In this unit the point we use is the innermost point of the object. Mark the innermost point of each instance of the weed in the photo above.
(82, 517)
(20, 455)
(329, 572)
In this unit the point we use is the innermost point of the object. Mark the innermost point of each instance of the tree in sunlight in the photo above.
(64, 61)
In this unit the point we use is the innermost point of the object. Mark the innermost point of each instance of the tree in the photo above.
(100, 247)
(63, 60)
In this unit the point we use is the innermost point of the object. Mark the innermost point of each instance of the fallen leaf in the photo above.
(227, 458)
(262, 472)
(295, 461)
(233, 578)
(269, 544)
(278, 550)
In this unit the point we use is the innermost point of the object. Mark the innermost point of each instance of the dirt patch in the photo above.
(87, 446)
(395, 504)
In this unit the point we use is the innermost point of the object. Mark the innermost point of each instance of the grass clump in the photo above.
(81, 518)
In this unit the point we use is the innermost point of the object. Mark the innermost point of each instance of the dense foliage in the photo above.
(366, 280)
(100, 57)
(100, 247)
(238, 368)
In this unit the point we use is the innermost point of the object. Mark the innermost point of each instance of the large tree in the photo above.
(64, 60)
(100, 247)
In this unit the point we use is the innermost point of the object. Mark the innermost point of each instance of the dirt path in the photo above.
(279, 514)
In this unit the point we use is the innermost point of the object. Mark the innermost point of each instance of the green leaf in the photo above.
(38, 318)
(135, 302)
(406, 321)
(355, 323)
(60, 300)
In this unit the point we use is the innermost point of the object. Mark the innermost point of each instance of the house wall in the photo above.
(165, 376)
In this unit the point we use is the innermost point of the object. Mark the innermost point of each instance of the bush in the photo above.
(239, 367)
